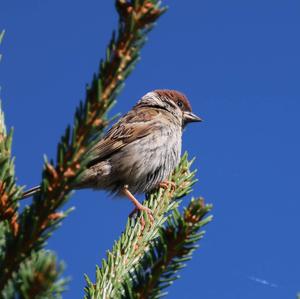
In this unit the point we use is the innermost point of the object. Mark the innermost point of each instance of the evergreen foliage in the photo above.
(144, 252)
(136, 239)
(146, 257)
(168, 252)
(38, 277)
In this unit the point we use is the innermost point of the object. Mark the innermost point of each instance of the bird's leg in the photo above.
(138, 205)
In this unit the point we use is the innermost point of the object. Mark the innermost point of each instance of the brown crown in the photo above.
(175, 96)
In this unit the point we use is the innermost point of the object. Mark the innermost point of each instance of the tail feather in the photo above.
(31, 192)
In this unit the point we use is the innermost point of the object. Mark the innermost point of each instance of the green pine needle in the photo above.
(136, 240)
(168, 253)
(38, 277)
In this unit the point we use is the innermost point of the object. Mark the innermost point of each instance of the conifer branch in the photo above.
(9, 191)
(38, 277)
(130, 249)
(36, 223)
(174, 246)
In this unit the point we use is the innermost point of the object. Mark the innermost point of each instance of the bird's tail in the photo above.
(31, 192)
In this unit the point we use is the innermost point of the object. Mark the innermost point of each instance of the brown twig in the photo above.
(7, 212)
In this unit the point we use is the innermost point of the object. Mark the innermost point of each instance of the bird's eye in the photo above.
(180, 104)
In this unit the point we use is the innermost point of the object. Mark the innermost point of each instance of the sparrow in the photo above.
(141, 150)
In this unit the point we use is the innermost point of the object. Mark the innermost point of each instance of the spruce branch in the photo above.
(37, 221)
(9, 191)
(130, 249)
(169, 252)
(38, 277)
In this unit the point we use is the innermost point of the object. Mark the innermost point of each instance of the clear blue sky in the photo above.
(239, 63)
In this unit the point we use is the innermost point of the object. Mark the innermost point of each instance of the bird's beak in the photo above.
(191, 117)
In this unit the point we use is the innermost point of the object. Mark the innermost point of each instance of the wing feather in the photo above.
(134, 125)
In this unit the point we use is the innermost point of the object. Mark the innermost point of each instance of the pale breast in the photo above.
(144, 163)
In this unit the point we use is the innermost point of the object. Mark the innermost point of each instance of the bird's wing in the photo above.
(134, 125)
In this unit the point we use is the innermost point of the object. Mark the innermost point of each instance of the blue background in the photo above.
(238, 62)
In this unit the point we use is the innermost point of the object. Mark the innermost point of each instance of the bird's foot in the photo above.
(142, 219)
(167, 184)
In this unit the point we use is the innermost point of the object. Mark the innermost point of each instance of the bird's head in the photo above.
(174, 102)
